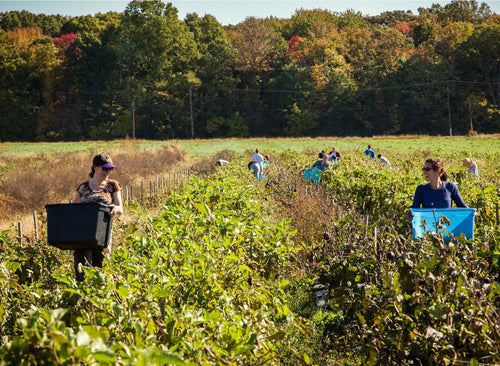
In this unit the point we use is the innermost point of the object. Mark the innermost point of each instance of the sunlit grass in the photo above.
(463, 145)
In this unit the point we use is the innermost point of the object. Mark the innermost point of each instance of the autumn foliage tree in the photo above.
(315, 73)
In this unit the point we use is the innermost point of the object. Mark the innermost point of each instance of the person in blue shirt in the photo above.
(438, 193)
(321, 164)
(369, 152)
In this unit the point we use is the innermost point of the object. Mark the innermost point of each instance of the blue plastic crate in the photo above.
(312, 174)
(461, 221)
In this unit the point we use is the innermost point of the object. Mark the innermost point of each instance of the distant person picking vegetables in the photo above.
(369, 152)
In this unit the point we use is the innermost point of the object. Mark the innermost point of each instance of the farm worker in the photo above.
(334, 155)
(258, 158)
(321, 164)
(438, 193)
(471, 166)
(369, 152)
(98, 189)
(255, 168)
(383, 160)
(221, 162)
(266, 162)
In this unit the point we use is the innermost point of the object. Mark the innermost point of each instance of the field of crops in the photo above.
(229, 270)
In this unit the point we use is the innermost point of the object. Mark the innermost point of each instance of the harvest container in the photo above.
(78, 225)
(312, 174)
(426, 219)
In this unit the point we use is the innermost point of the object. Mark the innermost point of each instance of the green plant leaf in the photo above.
(167, 358)
(104, 356)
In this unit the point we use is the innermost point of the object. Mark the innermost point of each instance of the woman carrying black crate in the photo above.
(103, 190)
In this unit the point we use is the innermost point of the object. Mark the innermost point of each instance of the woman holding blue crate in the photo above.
(438, 192)
(100, 188)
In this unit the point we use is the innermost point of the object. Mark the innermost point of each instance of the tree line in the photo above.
(145, 73)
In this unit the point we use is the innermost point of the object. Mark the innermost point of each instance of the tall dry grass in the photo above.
(308, 205)
(206, 167)
(34, 181)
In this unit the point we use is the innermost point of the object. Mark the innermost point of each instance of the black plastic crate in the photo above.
(78, 225)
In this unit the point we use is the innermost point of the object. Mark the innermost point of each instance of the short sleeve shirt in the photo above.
(370, 153)
(258, 158)
(105, 196)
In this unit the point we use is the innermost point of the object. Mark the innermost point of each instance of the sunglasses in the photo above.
(107, 169)
(426, 169)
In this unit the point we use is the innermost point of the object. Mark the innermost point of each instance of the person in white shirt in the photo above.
(471, 167)
(258, 158)
(221, 162)
(383, 160)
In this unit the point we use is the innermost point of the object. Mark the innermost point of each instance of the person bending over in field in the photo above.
(221, 162)
(255, 168)
(103, 190)
(438, 193)
(321, 164)
(471, 167)
(383, 160)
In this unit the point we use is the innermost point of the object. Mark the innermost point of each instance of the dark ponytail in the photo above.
(437, 163)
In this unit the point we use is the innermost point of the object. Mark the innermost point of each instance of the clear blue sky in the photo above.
(228, 11)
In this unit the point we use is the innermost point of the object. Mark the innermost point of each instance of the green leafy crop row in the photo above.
(225, 274)
(200, 283)
(392, 300)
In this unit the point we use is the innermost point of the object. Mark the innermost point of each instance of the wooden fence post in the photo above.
(142, 191)
(20, 231)
(35, 226)
(498, 221)
(367, 220)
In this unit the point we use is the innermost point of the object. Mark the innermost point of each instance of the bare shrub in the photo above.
(306, 203)
(140, 164)
(311, 212)
(39, 180)
(207, 166)
(9, 206)
(204, 168)
(225, 154)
